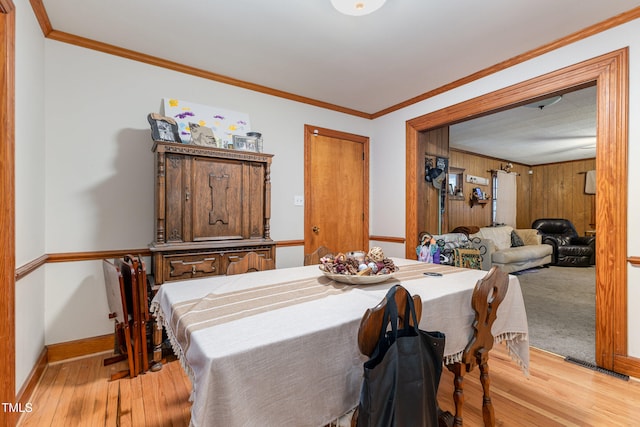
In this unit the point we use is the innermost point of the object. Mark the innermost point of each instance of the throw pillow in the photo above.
(501, 236)
(529, 236)
(516, 240)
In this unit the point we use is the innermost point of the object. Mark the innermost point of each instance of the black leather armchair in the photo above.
(569, 249)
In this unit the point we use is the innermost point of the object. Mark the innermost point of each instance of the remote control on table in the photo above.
(428, 273)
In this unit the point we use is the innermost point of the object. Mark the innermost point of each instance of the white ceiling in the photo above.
(560, 132)
(307, 48)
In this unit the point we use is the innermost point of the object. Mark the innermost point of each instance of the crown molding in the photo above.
(49, 32)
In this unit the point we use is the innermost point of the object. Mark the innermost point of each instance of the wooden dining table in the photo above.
(279, 347)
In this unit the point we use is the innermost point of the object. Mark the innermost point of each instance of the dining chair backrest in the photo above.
(371, 323)
(487, 295)
(314, 257)
(250, 262)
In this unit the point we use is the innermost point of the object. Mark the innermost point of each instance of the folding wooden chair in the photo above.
(116, 297)
(487, 296)
(250, 262)
(143, 303)
(130, 278)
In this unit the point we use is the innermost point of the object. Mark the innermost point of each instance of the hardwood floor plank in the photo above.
(42, 416)
(182, 394)
(74, 414)
(112, 404)
(171, 397)
(101, 388)
(126, 401)
(93, 397)
(67, 389)
(154, 395)
(138, 402)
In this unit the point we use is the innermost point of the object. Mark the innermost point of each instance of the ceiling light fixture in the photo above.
(545, 102)
(357, 7)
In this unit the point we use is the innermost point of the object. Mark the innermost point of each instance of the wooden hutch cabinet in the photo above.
(212, 206)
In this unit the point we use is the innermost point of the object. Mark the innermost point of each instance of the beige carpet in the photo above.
(560, 304)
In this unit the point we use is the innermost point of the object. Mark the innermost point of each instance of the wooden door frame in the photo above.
(610, 73)
(7, 213)
(309, 132)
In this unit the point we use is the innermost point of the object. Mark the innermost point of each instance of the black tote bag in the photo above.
(402, 376)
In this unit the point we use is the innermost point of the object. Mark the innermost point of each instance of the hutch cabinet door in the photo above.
(254, 203)
(216, 205)
(175, 184)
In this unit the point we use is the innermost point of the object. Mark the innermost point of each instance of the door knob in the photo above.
(315, 229)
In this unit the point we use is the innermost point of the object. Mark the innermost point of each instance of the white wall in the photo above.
(388, 159)
(99, 167)
(30, 169)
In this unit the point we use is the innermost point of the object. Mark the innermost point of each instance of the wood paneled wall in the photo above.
(550, 191)
(432, 143)
(462, 213)
(559, 193)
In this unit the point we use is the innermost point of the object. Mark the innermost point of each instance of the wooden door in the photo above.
(336, 192)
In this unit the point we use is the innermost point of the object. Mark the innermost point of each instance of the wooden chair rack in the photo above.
(117, 300)
(127, 290)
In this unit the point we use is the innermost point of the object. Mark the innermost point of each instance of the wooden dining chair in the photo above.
(369, 333)
(487, 296)
(314, 257)
(250, 262)
(117, 300)
(371, 324)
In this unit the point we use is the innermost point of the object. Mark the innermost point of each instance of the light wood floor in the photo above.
(556, 393)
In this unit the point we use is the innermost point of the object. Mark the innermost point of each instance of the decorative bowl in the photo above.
(353, 279)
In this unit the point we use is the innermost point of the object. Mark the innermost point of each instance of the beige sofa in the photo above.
(495, 245)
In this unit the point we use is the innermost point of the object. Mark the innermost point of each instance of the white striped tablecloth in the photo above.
(279, 347)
